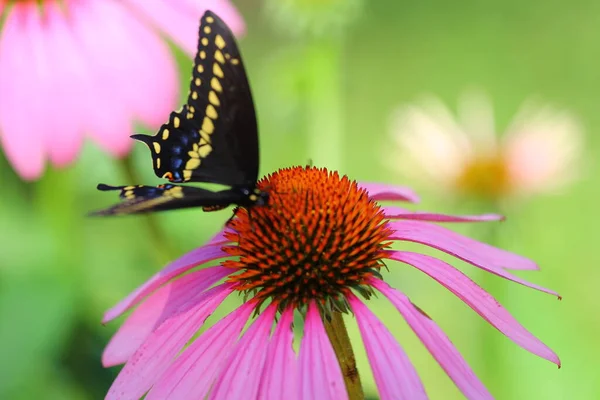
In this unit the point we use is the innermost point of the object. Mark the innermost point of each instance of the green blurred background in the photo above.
(59, 271)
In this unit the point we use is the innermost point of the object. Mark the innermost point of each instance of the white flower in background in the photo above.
(539, 152)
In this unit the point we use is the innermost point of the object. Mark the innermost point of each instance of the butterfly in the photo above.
(213, 138)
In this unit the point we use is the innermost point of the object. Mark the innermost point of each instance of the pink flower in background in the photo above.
(89, 67)
(320, 243)
(539, 152)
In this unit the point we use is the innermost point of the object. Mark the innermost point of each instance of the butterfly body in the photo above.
(213, 138)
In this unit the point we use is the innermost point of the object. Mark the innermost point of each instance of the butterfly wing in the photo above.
(214, 137)
(142, 199)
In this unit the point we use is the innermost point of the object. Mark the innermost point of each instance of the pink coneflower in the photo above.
(319, 245)
(539, 152)
(75, 67)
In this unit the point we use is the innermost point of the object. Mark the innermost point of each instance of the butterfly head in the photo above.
(255, 197)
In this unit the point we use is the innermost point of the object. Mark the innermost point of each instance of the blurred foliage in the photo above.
(60, 270)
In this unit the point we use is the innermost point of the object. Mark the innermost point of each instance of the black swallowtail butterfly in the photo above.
(213, 138)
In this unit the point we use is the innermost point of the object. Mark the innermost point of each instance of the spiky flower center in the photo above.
(319, 237)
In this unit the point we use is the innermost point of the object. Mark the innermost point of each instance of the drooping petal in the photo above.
(438, 344)
(180, 18)
(477, 253)
(280, 373)
(478, 299)
(382, 192)
(170, 300)
(192, 374)
(394, 212)
(129, 60)
(242, 374)
(543, 148)
(155, 355)
(177, 267)
(320, 373)
(394, 374)
(22, 113)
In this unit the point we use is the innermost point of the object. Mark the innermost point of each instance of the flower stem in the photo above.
(338, 336)
(162, 250)
(324, 98)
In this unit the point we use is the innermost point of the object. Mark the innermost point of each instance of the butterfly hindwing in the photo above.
(140, 199)
(214, 137)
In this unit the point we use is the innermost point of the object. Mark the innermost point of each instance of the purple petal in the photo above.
(171, 299)
(382, 192)
(177, 267)
(438, 344)
(242, 374)
(320, 373)
(479, 254)
(280, 373)
(219, 238)
(192, 374)
(394, 212)
(394, 374)
(155, 355)
(479, 300)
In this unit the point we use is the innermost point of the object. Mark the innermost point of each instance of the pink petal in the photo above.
(438, 344)
(171, 299)
(394, 374)
(242, 374)
(382, 192)
(320, 373)
(478, 299)
(479, 254)
(154, 356)
(177, 267)
(219, 238)
(279, 376)
(192, 374)
(22, 112)
(180, 19)
(394, 212)
(130, 62)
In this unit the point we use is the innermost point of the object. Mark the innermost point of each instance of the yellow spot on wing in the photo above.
(215, 84)
(193, 154)
(202, 54)
(205, 151)
(204, 41)
(204, 136)
(219, 41)
(200, 68)
(207, 29)
(165, 134)
(211, 111)
(156, 146)
(204, 141)
(210, 20)
(192, 109)
(176, 122)
(217, 70)
(197, 81)
(187, 175)
(192, 163)
(219, 57)
(208, 126)
(214, 100)
(235, 61)
(195, 95)
(158, 163)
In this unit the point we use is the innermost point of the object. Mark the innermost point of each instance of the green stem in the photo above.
(340, 340)
(324, 103)
(162, 249)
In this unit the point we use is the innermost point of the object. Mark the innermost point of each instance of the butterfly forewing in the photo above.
(214, 137)
(141, 199)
